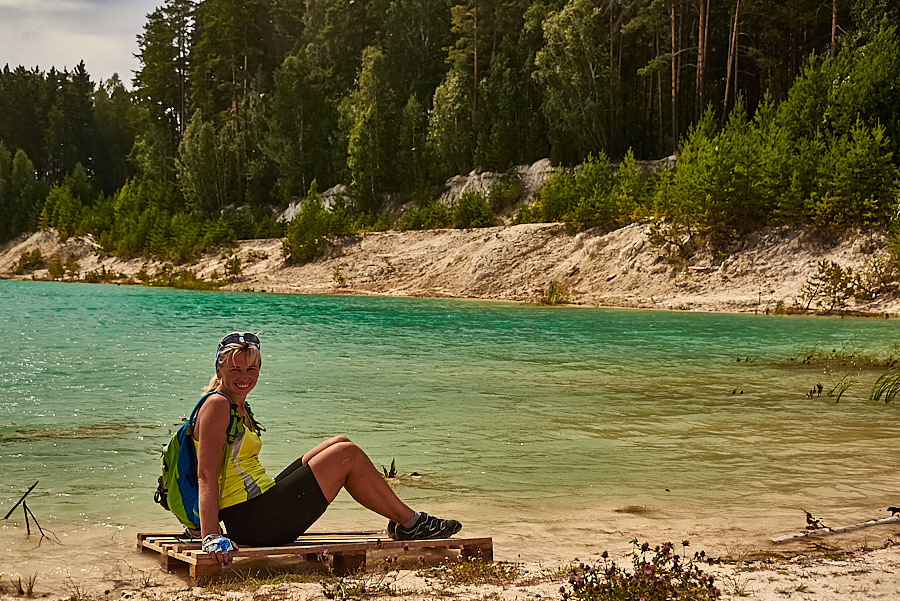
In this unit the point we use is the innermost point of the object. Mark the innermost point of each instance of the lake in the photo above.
(552, 429)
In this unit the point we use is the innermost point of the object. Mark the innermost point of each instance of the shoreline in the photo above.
(865, 565)
(618, 269)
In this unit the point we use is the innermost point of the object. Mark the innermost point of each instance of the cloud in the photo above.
(61, 33)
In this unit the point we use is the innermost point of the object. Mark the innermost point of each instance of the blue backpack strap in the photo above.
(232, 414)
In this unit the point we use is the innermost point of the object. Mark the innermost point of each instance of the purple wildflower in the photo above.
(686, 543)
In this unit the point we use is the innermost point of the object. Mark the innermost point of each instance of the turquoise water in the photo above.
(513, 414)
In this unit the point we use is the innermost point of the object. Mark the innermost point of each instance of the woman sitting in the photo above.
(260, 510)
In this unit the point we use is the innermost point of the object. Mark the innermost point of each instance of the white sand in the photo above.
(517, 263)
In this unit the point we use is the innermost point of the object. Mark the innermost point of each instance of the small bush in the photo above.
(55, 269)
(29, 261)
(311, 231)
(233, 267)
(556, 294)
(472, 210)
(72, 266)
(432, 216)
(658, 575)
(506, 191)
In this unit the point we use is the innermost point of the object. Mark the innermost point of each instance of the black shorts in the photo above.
(280, 514)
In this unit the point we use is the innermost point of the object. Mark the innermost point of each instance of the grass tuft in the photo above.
(886, 386)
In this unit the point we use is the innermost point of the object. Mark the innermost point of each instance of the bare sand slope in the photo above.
(517, 263)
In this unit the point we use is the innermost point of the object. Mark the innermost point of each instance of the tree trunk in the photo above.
(833, 25)
(702, 28)
(732, 59)
(475, 68)
(674, 82)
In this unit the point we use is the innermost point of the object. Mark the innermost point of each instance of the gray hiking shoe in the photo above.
(425, 528)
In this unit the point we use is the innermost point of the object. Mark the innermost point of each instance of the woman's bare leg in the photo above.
(338, 463)
(322, 446)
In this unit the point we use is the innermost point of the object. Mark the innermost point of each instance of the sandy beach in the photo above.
(514, 263)
(861, 565)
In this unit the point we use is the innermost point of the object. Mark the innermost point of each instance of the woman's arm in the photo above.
(210, 430)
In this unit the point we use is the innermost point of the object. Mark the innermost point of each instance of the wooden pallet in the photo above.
(348, 550)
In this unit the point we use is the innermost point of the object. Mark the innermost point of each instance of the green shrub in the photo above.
(472, 210)
(432, 216)
(556, 294)
(29, 261)
(312, 229)
(831, 287)
(55, 269)
(506, 191)
(72, 266)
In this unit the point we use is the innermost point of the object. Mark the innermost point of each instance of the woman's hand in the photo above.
(221, 547)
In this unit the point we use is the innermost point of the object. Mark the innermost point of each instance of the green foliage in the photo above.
(856, 180)
(716, 185)
(392, 471)
(556, 294)
(72, 266)
(832, 286)
(451, 129)
(579, 85)
(62, 210)
(371, 115)
(303, 122)
(431, 216)
(206, 169)
(310, 232)
(593, 195)
(239, 106)
(55, 269)
(29, 261)
(656, 575)
(233, 267)
(472, 210)
(506, 191)
(886, 387)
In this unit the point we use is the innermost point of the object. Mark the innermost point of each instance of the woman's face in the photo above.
(237, 376)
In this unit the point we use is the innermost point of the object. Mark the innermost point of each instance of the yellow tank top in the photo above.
(243, 476)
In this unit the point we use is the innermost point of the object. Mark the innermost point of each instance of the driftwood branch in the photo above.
(826, 531)
(22, 498)
(29, 515)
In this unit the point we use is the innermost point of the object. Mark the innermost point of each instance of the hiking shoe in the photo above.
(392, 529)
(426, 527)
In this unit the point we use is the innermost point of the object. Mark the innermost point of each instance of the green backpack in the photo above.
(178, 490)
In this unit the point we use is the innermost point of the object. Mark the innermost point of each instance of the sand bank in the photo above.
(517, 263)
(864, 564)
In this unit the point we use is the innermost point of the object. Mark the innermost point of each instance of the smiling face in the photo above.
(237, 375)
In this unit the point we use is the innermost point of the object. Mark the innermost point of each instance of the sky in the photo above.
(61, 33)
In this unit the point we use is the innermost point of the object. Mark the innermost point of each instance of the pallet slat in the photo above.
(348, 550)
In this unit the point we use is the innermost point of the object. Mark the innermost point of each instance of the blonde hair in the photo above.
(232, 350)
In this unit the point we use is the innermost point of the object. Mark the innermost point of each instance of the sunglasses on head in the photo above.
(237, 337)
(247, 337)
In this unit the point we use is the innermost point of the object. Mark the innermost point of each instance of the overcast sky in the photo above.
(60, 33)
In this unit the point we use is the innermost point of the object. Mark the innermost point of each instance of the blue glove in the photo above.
(216, 543)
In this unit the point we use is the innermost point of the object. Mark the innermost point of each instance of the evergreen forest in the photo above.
(778, 113)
